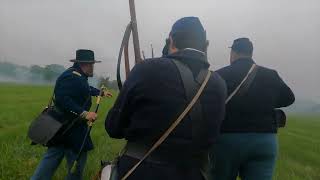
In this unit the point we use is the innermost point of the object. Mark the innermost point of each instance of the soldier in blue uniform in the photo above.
(248, 143)
(152, 98)
(72, 100)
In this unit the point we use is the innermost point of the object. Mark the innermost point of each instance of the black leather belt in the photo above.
(138, 150)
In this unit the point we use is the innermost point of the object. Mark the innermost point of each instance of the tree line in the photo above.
(47, 74)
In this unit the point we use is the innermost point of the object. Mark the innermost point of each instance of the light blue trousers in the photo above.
(52, 159)
(251, 156)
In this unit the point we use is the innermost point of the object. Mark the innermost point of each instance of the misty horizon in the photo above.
(284, 32)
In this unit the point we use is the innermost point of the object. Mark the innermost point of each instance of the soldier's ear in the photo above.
(171, 43)
(172, 46)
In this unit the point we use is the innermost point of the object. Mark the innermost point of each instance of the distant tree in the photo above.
(33, 74)
(55, 68)
(7, 69)
(37, 70)
(103, 81)
(52, 71)
(48, 73)
(114, 85)
(111, 84)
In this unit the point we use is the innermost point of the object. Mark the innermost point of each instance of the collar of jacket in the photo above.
(243, 60)
(191, 57)
(78, 69)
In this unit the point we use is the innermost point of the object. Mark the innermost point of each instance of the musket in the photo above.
(90, 124)
(132, 27)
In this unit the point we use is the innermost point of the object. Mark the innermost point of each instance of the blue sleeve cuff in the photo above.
(94, 91)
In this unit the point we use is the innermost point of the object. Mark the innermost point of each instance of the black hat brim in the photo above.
(89, 61)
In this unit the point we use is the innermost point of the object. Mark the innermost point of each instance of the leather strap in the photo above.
(191, 84)
(246, 85)
(252, 69)
(172, 127)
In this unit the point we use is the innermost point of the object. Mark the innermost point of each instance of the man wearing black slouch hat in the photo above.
(72, 101)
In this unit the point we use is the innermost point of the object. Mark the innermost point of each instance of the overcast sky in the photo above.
(285, 33)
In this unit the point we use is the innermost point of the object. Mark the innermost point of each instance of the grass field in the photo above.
(299, 156)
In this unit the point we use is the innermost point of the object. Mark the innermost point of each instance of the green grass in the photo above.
(20, 104)
(299, 149)
(299, 156)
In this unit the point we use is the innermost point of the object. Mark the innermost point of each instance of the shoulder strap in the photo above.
(245, 83)
(191, 84)
(172, 127)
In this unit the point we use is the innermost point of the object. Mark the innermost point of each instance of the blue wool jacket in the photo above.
(153, 96)
(72, 97)
(254, 111)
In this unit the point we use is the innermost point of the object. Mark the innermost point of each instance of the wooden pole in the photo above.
(135, 34)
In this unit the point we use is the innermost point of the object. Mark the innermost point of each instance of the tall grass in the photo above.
(299, 151)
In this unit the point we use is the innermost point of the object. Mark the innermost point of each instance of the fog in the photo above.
(285, 33)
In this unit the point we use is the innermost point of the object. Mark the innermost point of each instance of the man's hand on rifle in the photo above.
(107, 93)
(89, 116)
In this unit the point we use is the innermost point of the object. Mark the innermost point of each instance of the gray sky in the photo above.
(285, 33)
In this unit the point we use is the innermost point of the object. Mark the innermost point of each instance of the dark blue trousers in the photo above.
(251, 156)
